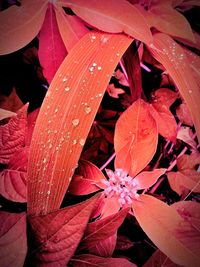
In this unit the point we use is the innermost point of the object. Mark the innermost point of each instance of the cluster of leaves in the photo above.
(148, 134)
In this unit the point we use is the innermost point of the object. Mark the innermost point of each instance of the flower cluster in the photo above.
(121, 186)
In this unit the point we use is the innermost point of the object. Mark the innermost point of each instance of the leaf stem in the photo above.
(107, 162)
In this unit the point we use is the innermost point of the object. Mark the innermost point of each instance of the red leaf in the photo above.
(4, 114)
(101, 229)
(184, 115)
(13, 245)
(136, 137)
(12, 135)
(87, 180)
(19, 160)
(87, 260)
(13, 185)
(123, 243)
(186, 135)
(146, 179)
(163, 98)
(111, 206)
(57, 234)
(52, 50)
(114, 91)
(105, 247)
(31, 120)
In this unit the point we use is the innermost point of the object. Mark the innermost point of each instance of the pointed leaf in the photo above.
(31, 120)
(147, 179)
(136, 137)
(87, 179)
(12, 135)
(101, 229)
(87, 260)
(104, 248)
(105, 16)
(114, 91)
(172, 56)
(23, 27)
(111, 206)
(163, 98)
(13, 245)
(121, 78)
(186, 135)
(57, 234)
(70, 27)
(184, 115)
(74, 95)
(159, 221)
(159, 259)
(51, 50)
(4, 114)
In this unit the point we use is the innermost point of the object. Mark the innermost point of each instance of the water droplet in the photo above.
(44, 160)
(75, 122)
(190, 91)
(50, 146)
(48, 192)
(87, 109)
(74, 142)
(56, 110)
(117, 54)
(94, 64)
(64, 79)
(82, 142)
(99, 68)
(91, 69)
(67, 89)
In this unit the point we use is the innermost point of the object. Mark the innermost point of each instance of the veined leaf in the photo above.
(70, 27)
(112, 16)
(66, 116)
(172, 57)
(159, 259)
(52, 50)
(13, 244)
(135, 139)
(19, 25)
(159, 221)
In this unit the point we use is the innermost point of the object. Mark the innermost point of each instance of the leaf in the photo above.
(186, 135)
(159, 221)
(163, 98)
(12, 135)
(87, 180)
(106, 17)
(71, 28)
(4, 114)
(104, 248)
(52, 50)
(123, 242)
(57, 234)
(121, 78)
(31, 120)
(13, 185)
(104, 228)
(114, 91)
(111, 206)
(74, 95)
(135, 139)
(172, 57)
(87, 260)
(184, 115)
(194, 63)
(23, 27)
(159, 259)
(147, 179)
(13, 245)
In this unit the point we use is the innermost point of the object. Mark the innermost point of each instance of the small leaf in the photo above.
(87, 260)
(105, 16)
(159, 221)
(23, 27)
(51, 50)
(186, 135)
(173, 58)
(57, 234)
(135, 139)
(71, 28)
(4, 114)
(184, 115)
(87, 179)
(147, 179)
(13, 245)
(113, 91)
(121, 78)
(163, 98)
(12, 135)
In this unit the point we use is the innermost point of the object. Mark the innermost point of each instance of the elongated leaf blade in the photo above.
(113, 16)
(66, 116)
(19, 25)
(4, 114)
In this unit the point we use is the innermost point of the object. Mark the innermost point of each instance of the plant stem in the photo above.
(107, 162)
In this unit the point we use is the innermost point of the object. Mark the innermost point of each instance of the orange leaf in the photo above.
(184, 115)
(163, 98)
(136, 138)
(66, 116)
(172, 56)
(71, 28)
(113, 16)
(19, 25)
(160, 221)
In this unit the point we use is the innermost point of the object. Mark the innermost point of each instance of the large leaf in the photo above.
(19, 25)
(102, 229)
(13, 244)
(57, 234)
(113, 16)
(66, 116)
(87, 260)
(159, 221)
(172, 57)
(52, 50)
(87, 179)
(12, 135)
(136, 137)
(71, 28)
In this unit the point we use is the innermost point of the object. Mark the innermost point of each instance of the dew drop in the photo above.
(190, 91)
(64, 79)
(74, 142)
(75, 122)
(56, 110)
(117, 54)
(87, 110)
(94, 64)
(48, 192)
(44, 160)
(99, 68)
(91, 69)
(67, 89)
(50, 146)
(82, 142)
